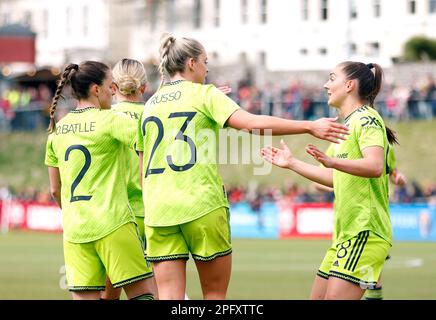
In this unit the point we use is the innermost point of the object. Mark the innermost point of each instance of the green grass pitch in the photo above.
(31, 267)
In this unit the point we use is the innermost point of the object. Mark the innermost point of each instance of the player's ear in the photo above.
(350, 85)
(94, 89)
(190, 63)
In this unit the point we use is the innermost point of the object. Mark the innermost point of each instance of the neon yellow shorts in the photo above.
(140, 226)
(359, 260)
(206, 238)
(119, 254)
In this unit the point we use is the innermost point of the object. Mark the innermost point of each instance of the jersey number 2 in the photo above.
(81, 173)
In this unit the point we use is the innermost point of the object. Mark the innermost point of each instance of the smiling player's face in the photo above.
(336, 87)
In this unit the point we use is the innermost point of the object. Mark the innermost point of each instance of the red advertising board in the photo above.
(305, 220)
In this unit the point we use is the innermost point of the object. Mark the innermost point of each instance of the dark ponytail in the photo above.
(71, 68)
(369, 85)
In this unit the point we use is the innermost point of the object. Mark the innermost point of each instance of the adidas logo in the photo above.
(336, 263)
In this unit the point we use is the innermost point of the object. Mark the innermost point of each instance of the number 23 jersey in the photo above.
(178, 135)
(86, 147)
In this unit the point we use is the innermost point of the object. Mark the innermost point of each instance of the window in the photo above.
(322, 51)
(324, 10)
(215, 56)
(373, 49)
(27, 18)
(353, 9)
(411, 6)
(263, 11)
(303, 51)
(44, 27)
(6, 18)
(376, 8)
(85, 20)
(432, 6)
(352, 48)
(217, 13)
(153, 14)
(243, 58)
(244, 11)
(197, 14)
(304, 10)
(170, 15)
(68, 21)
(262, 58)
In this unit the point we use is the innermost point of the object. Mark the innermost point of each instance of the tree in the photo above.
(420, 48)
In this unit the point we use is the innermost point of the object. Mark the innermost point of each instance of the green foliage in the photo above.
(420, 48)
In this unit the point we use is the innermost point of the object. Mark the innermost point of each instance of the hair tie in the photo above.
(370, 66)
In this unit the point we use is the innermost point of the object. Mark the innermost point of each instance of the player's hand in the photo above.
(280, 157)
(399, 179)
(225, 89)
(319, 156)
(328, 129)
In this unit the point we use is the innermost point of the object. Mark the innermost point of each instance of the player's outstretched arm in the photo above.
(370, 166)
(283, 158)
(324, 128)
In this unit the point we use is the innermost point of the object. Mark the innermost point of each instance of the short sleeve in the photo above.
(217, 106)
(370, 132)
(392, 162)
(50, 157)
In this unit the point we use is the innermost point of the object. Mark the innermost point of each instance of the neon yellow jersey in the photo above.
(361, 203)
(177, 132)
(133, 110)
(392, 162)
(87, 148)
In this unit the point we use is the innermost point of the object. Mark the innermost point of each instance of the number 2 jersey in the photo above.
(87, 148)
(178, 135)
(362, 203)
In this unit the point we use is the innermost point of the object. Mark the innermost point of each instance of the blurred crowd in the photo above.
(26, 108)
(413, 192)
(302, 101)
(410, 193)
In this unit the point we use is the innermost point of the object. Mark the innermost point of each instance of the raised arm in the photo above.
(324, 128)
(370, 166)
(283, 158)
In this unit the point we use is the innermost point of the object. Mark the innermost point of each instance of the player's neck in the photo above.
(82, 104)
(348, 107)
(132, 98)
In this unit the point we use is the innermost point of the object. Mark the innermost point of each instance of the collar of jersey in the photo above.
(82, 110)
(349, 116)
(174, 82)
(132, 102)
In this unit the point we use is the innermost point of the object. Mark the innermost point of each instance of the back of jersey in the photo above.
(86, 147)
(178, 133)
(133, 110)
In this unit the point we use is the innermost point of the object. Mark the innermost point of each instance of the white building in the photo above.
(286, 35)
(276, 35)
(66, 31)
